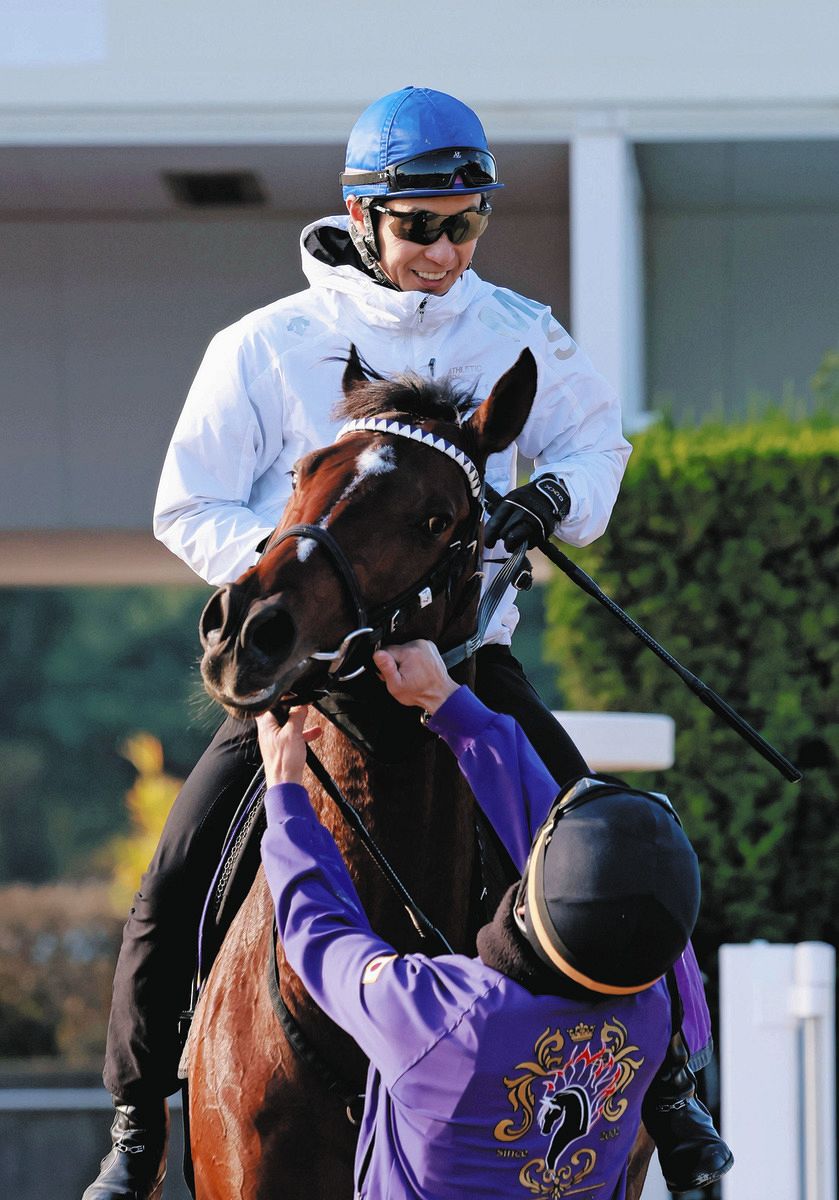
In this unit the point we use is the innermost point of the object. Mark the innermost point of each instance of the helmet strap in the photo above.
(366, 243)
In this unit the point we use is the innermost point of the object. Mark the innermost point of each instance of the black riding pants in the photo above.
(157, 959)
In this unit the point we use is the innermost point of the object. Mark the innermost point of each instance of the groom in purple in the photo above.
(525, 1071)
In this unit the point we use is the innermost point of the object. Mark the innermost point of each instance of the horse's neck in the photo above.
(420, 814)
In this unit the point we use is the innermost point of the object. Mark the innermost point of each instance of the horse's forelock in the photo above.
(408, 393)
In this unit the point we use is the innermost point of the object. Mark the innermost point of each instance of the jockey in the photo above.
(394, 277)
(534, 1063)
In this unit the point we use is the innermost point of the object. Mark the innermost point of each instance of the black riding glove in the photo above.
(529, 513)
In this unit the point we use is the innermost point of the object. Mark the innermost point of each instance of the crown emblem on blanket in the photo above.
(581, 1032)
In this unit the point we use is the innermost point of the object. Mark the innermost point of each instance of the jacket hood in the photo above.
(329, 262)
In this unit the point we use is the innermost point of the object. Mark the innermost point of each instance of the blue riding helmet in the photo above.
(418, 142)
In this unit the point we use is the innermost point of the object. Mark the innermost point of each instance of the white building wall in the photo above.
(607, 289)
(325, 54)
(743, 304)
(108, 324)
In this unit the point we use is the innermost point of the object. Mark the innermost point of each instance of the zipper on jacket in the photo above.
(365, 1167)
(368, 1153)
(421, 309)
(432, 363)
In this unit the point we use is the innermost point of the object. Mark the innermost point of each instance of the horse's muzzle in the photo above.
(247, 644)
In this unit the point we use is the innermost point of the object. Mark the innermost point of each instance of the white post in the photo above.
(813, 1002)
(607, 284)
(778, 1070)
(654, 1186)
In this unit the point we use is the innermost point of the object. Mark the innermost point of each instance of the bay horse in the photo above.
(382, 530)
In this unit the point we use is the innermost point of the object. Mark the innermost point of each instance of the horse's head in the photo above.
(380, 534)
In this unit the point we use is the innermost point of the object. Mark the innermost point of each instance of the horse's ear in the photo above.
(354, 376)
(500, 419)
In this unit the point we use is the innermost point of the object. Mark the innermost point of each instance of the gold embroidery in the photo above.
(550, 1185)
(550, 1064)
(614, 1037)
(548, 1052)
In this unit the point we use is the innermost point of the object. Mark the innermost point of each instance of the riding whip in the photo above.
(706, 694)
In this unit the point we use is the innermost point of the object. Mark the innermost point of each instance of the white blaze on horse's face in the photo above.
(374, 460)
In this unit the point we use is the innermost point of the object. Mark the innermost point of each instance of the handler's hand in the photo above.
(415, 674)
(284, 746)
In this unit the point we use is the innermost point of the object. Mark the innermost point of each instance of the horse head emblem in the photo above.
(574, 1100)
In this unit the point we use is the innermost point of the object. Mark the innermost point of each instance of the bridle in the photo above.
(383, 622)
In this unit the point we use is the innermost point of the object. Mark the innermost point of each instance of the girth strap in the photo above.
(332, 1080)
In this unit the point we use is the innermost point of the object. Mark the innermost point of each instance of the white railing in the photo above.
(615, 741)
(778, 1069)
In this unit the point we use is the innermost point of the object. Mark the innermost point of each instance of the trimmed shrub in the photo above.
(724, 545)
(58, 945)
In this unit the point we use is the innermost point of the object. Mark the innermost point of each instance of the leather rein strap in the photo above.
(302, 1046)
(423, 925)
(514, 573)
(343, 566)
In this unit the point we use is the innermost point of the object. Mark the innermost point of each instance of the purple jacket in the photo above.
(476, 1087)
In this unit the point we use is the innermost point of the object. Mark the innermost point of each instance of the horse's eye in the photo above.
(293, 475)
(437, 525)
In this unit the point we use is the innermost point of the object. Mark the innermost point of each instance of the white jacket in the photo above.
(265, 391)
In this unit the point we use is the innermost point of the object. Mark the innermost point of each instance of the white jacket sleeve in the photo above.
(574, 431)
(221, 444)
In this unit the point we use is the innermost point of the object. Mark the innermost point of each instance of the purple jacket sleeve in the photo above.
(395, 1007)
(509, 780)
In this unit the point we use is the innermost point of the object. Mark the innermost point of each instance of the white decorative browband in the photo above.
(415, 433)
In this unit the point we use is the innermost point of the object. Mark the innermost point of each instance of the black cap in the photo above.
(611, 887)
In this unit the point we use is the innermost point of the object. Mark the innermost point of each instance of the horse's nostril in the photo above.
(213, 618)
(270, 634)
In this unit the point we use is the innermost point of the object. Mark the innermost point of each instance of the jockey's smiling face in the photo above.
(409, 265)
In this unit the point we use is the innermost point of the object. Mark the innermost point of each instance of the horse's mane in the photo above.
(408, 393)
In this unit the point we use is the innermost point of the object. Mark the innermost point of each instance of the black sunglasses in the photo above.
(426, 227)
(436, 170)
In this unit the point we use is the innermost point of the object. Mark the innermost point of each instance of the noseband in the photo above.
(354, 655)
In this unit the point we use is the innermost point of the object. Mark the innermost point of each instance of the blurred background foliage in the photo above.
(58, 945)
(148, 802)
(83, 669)
(95, 682)
(725, 546)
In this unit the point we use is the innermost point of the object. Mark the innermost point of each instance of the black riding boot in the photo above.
(136, 1165)
(691, 1153)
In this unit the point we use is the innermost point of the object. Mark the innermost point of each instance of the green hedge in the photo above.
(724, 545)
(81, 670)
